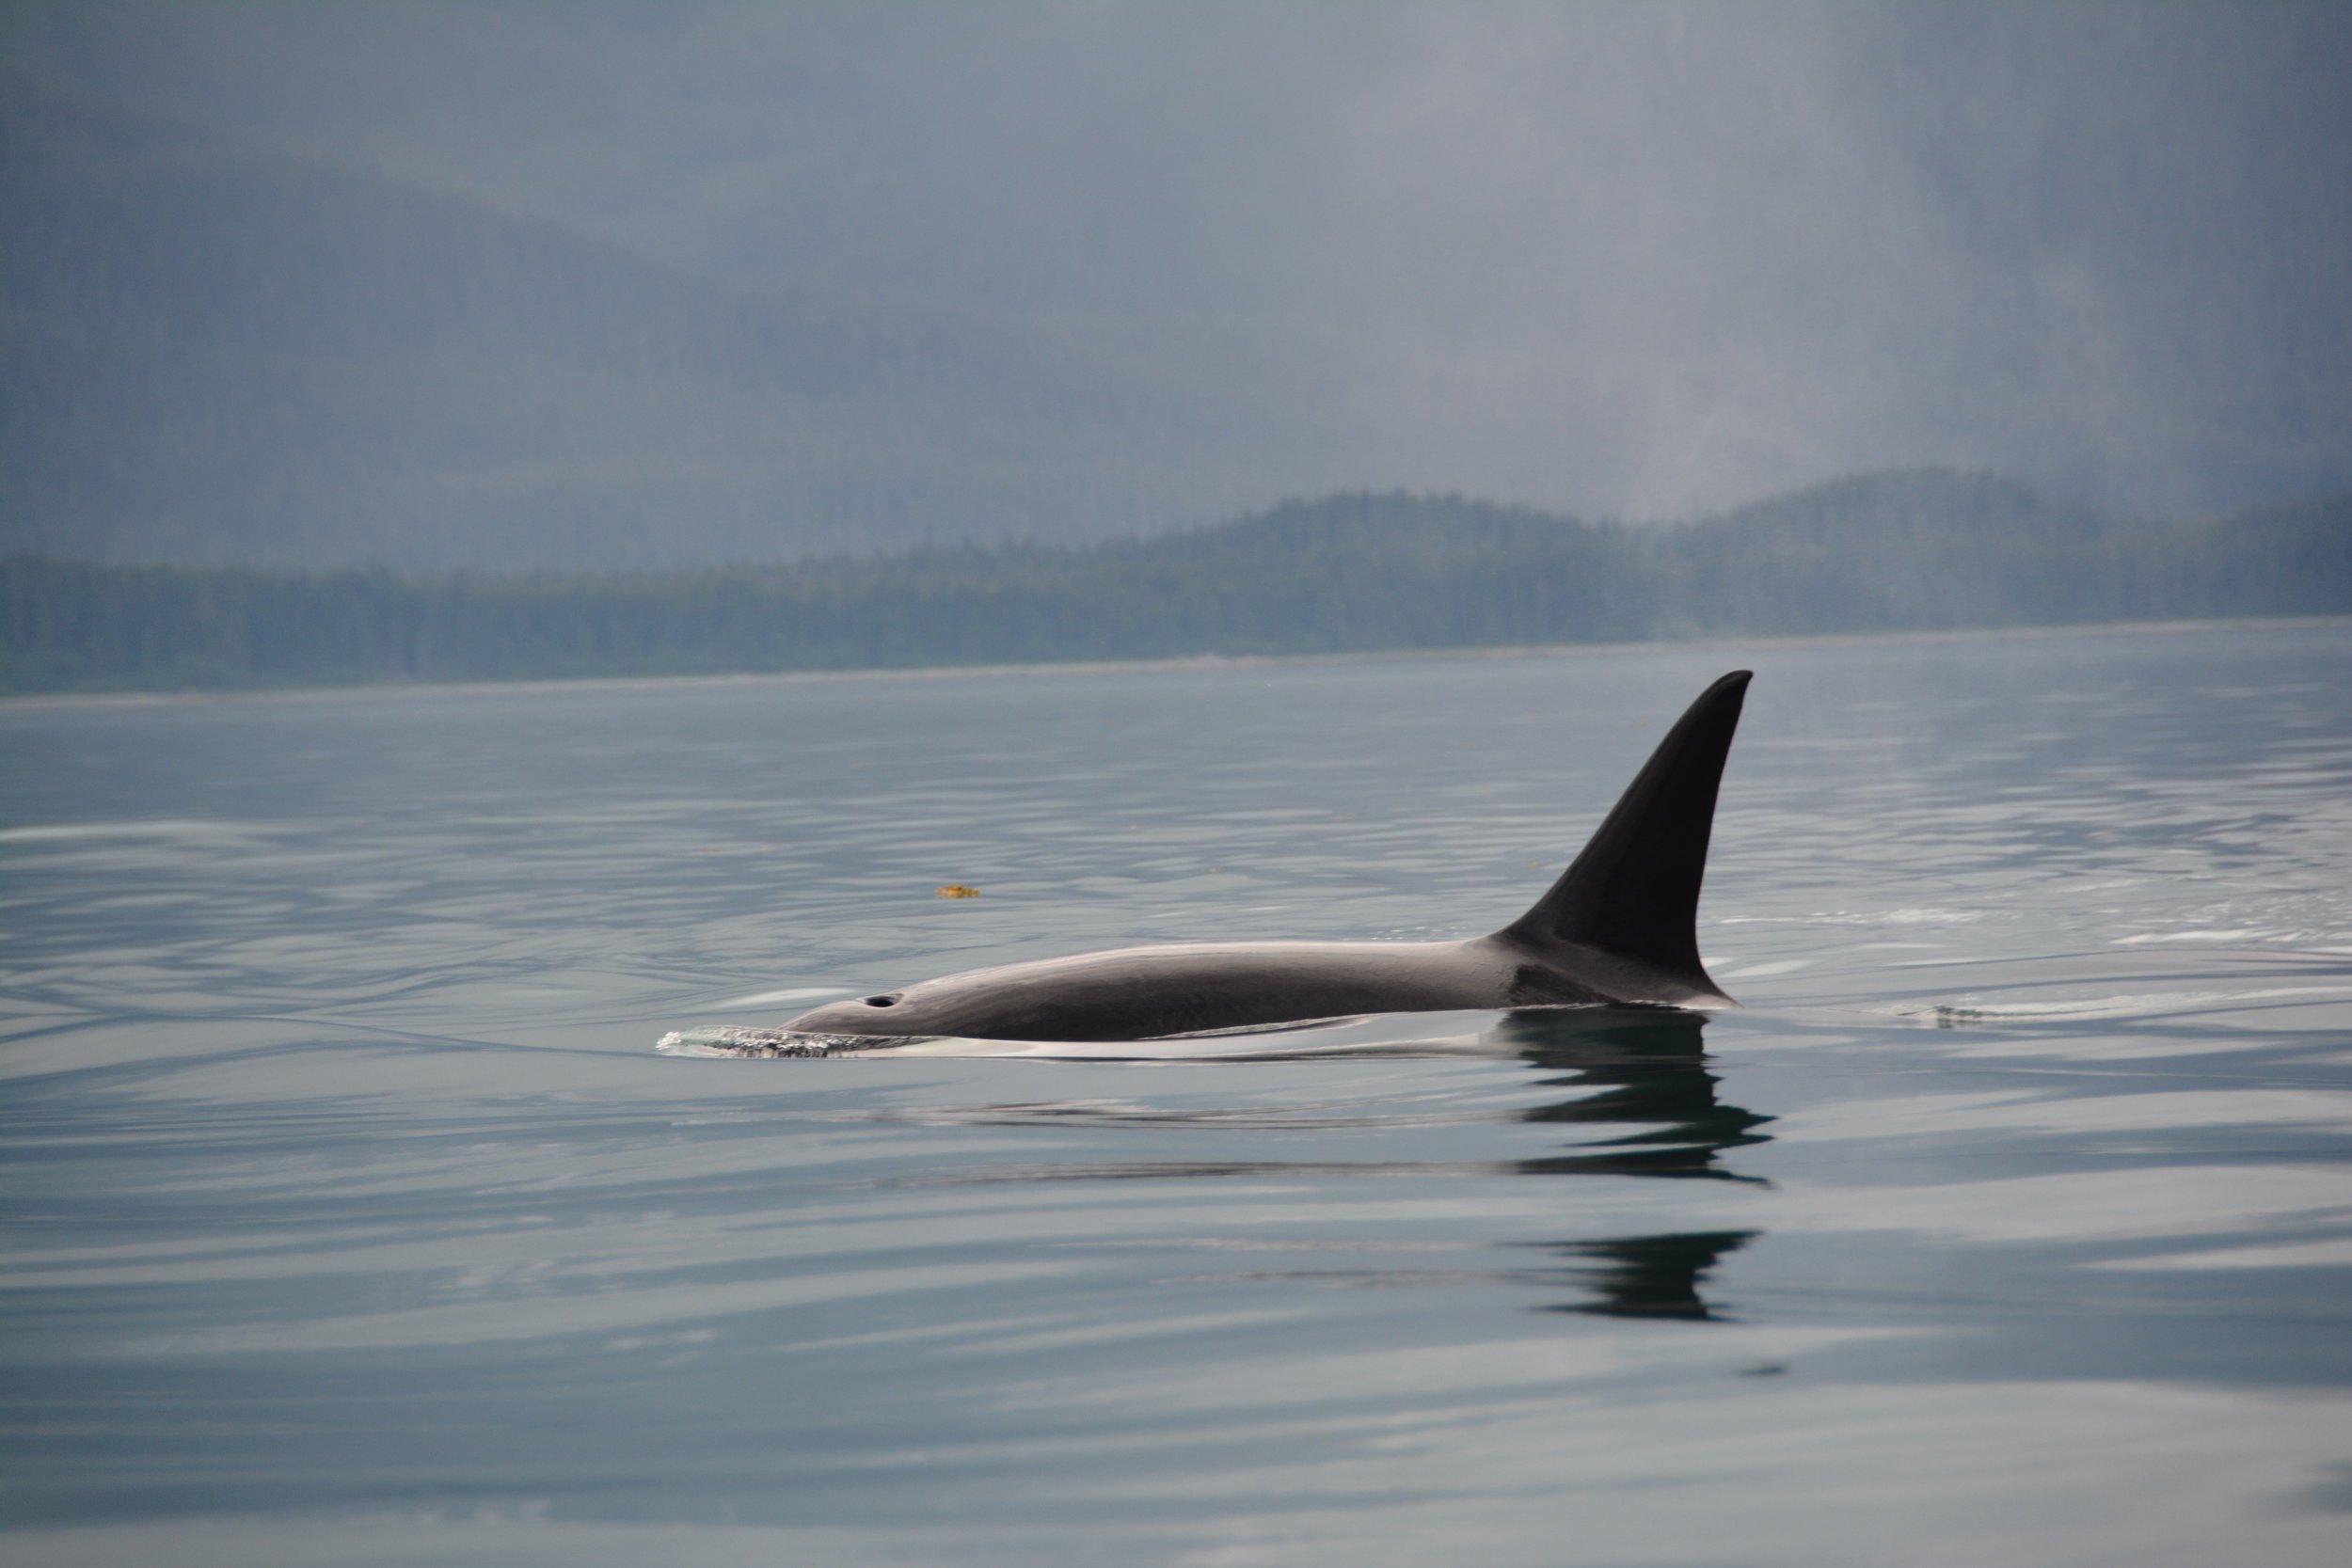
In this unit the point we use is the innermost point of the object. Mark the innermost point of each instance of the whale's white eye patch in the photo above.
(880, 1001)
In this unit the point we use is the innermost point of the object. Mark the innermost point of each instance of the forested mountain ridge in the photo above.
(1920, 548)
(217, 354)
(1907, 550)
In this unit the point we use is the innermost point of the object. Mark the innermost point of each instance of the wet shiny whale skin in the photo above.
(1618, 927)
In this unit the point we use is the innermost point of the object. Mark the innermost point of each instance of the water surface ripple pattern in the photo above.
(350, 1215)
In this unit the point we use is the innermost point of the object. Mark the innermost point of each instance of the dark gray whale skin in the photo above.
(1618, 927)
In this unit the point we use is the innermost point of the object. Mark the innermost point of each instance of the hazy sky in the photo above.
(1633, 259)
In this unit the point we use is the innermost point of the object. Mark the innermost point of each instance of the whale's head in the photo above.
(1126, 994)
(890, 1014)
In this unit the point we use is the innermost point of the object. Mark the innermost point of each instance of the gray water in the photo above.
(351, 1216)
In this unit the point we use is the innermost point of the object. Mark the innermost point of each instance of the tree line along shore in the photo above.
(1927, 549)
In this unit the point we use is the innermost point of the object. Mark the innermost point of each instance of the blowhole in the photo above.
(880, 1001)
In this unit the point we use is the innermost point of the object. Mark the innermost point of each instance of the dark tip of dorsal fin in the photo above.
(1634, 892)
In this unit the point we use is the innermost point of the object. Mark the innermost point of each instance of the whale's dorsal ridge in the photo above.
(1634, 890)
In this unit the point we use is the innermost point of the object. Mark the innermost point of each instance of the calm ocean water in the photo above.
(351, 1216)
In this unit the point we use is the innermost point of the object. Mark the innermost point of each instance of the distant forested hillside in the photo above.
(215, 354)
(1918, 549)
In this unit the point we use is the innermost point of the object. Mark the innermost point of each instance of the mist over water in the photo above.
(352, 1215)
(1085, 269)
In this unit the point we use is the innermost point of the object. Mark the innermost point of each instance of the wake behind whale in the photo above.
(1619, 926)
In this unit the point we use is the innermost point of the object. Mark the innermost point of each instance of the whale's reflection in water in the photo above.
(1650, 1067)
(1629, 1088)
(1647, 1276)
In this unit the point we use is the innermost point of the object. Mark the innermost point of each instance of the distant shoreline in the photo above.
(1352, 574)
(383, 690)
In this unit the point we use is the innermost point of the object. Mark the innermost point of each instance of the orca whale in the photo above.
(1618, 927)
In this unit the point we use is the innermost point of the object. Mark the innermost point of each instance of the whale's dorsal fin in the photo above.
(1634, 892)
